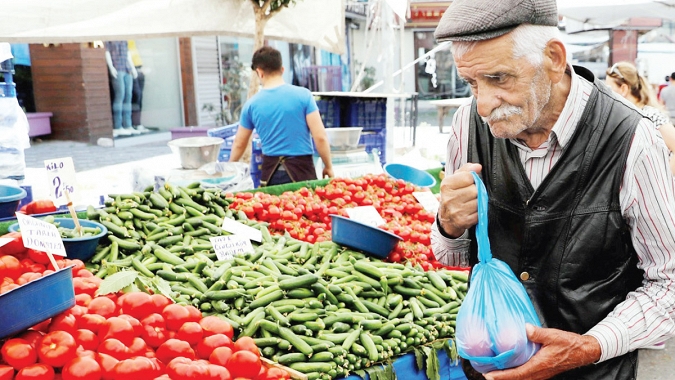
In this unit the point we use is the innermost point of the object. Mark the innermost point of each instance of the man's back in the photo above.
(668, 97)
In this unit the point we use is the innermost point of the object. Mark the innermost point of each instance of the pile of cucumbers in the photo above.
(320, 309)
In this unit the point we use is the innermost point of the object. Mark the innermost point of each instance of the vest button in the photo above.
(524, 276)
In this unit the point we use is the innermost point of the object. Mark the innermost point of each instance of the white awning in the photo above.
(594, 14)
(318, 23)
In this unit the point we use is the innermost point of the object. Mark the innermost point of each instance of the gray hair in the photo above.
(528, 41)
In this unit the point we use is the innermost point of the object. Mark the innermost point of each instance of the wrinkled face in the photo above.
(510, 93)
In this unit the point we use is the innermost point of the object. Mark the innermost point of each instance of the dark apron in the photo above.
(298, 168)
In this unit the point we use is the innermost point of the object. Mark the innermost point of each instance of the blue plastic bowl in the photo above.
(10, 196)
(362, 237)
(77, 248)
(36, 301)
(409, 174)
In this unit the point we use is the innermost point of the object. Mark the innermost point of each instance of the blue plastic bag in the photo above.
(491, 321)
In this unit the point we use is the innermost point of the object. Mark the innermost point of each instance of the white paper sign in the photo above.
(227, 247)
(366, 215)
(236, 228)
(4, 241)
(40, 235)
(428, 200)
(61, 176)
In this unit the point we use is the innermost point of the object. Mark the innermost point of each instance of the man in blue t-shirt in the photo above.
(287, 119)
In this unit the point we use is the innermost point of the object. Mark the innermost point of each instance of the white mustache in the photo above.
(503, 112)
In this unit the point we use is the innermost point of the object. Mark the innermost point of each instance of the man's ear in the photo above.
(555, 60)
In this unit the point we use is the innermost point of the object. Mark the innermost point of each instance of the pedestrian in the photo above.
(661, 87)
(625, 80)
(286, 118)
(581, 199)
(668, 97)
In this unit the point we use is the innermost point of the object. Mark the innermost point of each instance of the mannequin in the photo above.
(122, 73)
(137, 90)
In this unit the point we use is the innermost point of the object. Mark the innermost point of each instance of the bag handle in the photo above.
(484, 252)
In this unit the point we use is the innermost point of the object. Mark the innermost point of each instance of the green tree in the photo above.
(263, 10)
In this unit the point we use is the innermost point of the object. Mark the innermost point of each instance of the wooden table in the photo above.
(445, 105)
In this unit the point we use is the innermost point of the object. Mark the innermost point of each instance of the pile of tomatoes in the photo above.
(305, 214)
(132, 336)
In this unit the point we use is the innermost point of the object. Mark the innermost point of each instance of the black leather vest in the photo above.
(569, 234)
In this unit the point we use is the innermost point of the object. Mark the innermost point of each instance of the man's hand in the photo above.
(328, 172)
(459, 201)
(560, 351)
(113, 72)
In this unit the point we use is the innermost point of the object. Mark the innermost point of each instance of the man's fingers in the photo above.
(535, 334)
(470, 167)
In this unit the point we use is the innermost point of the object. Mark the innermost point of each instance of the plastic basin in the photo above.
(362, 237)
(409, 174)
(36, 301)
(10, 196)
(196, 151)
(77, 248)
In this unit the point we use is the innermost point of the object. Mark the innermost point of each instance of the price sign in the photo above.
(427, 200)
(61, 176)
(366, 215)
(227, 247)
(236, 228)
(40, 235)
(4, 241)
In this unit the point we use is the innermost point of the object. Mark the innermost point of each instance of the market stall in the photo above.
(263, 262)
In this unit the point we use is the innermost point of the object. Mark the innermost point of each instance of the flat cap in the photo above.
(477, 20)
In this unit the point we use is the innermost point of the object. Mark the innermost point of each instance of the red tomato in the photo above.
(210, 343)
(138, 367)
(159, 302)
(174, 348)
(6, 372)
(244, 364)
(114, 348)
(137, 304)
(135, 323)
(35, 372)
(138, 347)
(10, 267)
(214, 325)
(246, 343)
(195, 314)
(57, 348)
(220, 355)
(82, 299)
(107, 364)
(31, 336)
(15, 246)
(102, 306)
(82, 368)
(87, 339)
(190, 332)
(91, 322)
(275, 373)
(18, 353)
(85, 285)
(118, 328)
(185, 369)
(175, 315)
(38, 256)
(154, 330)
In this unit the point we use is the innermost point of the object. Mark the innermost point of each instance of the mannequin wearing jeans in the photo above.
(122, 73)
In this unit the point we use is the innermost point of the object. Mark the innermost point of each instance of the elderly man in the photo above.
(582, 204)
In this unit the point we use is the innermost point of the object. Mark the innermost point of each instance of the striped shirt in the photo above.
(647, 199)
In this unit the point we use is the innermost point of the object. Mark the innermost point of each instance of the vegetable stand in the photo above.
(315, 307)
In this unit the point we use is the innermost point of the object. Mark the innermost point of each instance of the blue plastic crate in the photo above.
(369, 114)
(329, 108)
(228, 143)
(224, 155)
(373, 140)
(224, 133)
(256, 179)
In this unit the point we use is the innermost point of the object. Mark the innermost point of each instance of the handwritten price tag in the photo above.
(61, 176)
(427, 200)
(227, 247)
(366, 215)
(236, 228)
(40, 235)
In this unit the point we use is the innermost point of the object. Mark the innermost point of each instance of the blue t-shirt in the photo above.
(279, 116)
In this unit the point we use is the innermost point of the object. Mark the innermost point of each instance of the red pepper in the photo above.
(40, 206)
(14, 247)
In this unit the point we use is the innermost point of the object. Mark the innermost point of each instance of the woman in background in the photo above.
(625, 80)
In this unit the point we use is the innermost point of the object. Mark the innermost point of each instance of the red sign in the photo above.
(426, 14)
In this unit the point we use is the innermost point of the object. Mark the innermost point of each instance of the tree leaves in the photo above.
(117, 281)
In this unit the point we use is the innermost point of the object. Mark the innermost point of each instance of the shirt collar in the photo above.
(564, 127)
